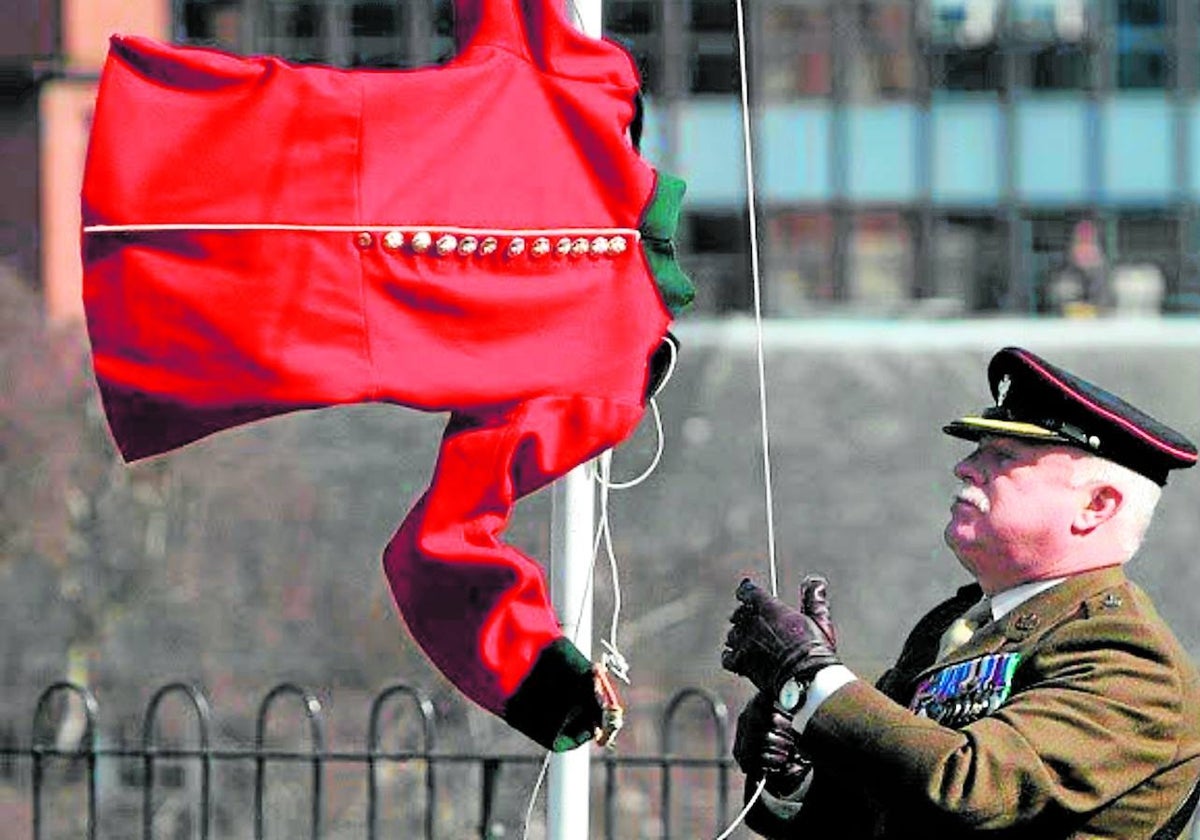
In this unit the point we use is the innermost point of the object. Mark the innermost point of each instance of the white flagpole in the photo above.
(573, 523)
(568, 785)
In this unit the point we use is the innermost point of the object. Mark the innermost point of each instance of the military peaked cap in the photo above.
(1040, 402)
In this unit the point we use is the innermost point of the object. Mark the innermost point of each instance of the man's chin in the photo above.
(959, 543)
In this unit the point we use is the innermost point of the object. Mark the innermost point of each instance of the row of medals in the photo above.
(966, 691)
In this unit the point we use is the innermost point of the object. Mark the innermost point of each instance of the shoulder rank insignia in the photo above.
(966, 691)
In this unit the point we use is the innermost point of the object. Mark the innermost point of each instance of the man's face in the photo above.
(1012, 520)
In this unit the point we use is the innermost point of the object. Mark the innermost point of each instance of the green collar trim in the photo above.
(657, 228)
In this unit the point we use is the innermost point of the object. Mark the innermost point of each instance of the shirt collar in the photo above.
(1005, 602)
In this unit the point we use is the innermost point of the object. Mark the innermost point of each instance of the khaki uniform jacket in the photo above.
(1098, 737)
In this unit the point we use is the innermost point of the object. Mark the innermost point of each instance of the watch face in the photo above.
(789, 695)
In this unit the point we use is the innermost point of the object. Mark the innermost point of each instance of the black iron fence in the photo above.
(62, 782)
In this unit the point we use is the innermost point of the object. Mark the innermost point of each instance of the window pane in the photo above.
(1072, 263)
(715, 246)
(798, 268)
(1054, 42)
(962, 44)
(980, 68)
(1145, 268)
(969, 261)
(293, 30)
(879, 55)
(214, 23)
(1142, 37)
(796, 55)
(1059, 67)
(635, 25)
(889, 31)
(711, 15)
(713, 62)
(1034, 20)
(376, 35)
(880, 261)
(715, 70)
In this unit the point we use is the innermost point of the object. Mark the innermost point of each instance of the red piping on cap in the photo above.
(1120, 421)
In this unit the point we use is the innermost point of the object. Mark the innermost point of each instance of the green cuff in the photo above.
(556, 704)
(658, 227)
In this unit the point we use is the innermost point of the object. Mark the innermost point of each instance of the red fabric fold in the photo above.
(468, 597)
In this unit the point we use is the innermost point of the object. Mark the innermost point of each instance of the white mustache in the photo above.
(974, 497)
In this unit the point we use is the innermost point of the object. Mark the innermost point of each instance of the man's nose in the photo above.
(968, 470)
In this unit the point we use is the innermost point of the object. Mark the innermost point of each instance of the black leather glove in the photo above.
(814, 602)
(771, 641)
(766, 744)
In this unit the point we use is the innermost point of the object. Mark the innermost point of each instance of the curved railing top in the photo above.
(716, 708)
(41, 711)
(423, 705)
(312, 710)
(196, 698)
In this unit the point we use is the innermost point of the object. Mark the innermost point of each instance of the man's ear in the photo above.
(1102, 505)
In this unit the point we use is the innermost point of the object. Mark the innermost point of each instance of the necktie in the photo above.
(963, 628)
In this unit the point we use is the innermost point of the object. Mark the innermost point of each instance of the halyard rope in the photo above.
(751, 205)
(612, 656)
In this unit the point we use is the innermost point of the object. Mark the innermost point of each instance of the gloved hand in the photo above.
(771, 641)
(766, 744)
(814, 602)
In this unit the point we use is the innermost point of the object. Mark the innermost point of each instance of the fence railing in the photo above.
(66, 786)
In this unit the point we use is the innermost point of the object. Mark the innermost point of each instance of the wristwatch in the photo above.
(791, 695)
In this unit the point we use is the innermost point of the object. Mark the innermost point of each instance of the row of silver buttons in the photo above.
(423, 242)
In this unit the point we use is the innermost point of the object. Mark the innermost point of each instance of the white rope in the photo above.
(602, 475)
(618, 666)
(612, 657)
(748, 150)
(762, 783)
(537, 786)
(752, 203)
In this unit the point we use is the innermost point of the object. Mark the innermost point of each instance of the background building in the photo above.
(917, 157)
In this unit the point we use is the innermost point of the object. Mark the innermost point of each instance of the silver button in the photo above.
(393, 240)
(468, 245)
(422, 240)
(516, 247)
(446, 244)
(616, 245)
(488, 245)
(363, 239)
(540, 247)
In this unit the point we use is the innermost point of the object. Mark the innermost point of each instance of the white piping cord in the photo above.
(374, 228)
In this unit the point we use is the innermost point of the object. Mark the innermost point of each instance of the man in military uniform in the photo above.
(1046, 700)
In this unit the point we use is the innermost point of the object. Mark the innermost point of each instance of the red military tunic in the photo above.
(482, 238)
